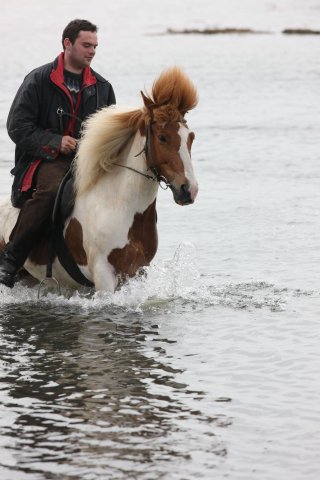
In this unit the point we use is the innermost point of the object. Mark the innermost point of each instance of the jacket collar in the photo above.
(57, 75)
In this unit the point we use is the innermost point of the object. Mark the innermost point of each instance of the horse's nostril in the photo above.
(185, 190)
(185, 194)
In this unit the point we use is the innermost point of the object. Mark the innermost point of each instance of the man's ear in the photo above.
(66, 43)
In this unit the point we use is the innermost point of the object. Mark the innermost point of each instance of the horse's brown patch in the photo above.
(142, 246)
(74, 241)
(191, 137)
(165, 146)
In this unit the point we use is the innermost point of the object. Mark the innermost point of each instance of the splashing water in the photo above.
(167, 284)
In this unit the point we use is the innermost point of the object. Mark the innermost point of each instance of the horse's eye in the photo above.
(162, 138)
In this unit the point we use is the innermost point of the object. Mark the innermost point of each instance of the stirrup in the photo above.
(46, 280)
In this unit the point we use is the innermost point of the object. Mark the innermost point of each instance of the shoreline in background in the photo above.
(239, 31)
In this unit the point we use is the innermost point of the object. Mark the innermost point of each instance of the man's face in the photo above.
(81, 53)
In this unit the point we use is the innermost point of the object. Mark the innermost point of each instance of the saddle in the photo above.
(62, 209)
(64, 201)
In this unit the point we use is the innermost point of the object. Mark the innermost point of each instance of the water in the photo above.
(208, 367)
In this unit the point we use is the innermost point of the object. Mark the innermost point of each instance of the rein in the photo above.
(162, 181)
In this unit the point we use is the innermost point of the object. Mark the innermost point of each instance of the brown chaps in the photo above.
(35, 215)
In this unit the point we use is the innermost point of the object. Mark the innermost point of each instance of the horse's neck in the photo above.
(124, 189)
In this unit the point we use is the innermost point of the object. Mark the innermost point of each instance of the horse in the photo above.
(124, 155)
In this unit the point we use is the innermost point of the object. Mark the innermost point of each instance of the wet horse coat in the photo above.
(123, 155)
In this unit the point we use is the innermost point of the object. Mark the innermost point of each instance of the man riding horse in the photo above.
(44, 122)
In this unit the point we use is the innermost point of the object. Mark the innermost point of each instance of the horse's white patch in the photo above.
(8, 218)
(186, 160)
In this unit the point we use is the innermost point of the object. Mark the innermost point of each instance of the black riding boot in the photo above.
(9, 267)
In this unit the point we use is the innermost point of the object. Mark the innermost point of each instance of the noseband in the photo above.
(156, 177)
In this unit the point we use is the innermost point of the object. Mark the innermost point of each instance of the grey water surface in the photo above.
(207, 367)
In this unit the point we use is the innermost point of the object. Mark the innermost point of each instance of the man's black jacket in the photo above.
(42, 112)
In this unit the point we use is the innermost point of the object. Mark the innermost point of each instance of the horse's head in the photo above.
(168, 138)
(168, 147)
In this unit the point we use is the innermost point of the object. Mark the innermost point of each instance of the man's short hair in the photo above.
(73, 28)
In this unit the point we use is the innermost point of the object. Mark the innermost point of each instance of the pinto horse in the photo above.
(123, 157)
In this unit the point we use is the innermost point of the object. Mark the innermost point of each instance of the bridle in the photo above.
(156, 177)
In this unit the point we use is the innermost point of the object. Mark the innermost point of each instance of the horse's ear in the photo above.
(148, 103)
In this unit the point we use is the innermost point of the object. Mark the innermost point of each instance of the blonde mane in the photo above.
(108, 131)
(104, 135)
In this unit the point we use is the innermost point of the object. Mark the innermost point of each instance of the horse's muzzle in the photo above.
(183, 195)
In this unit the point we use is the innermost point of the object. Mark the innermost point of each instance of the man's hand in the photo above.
(68, 144)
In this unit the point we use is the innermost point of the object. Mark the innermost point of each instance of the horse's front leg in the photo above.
(104, 277)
